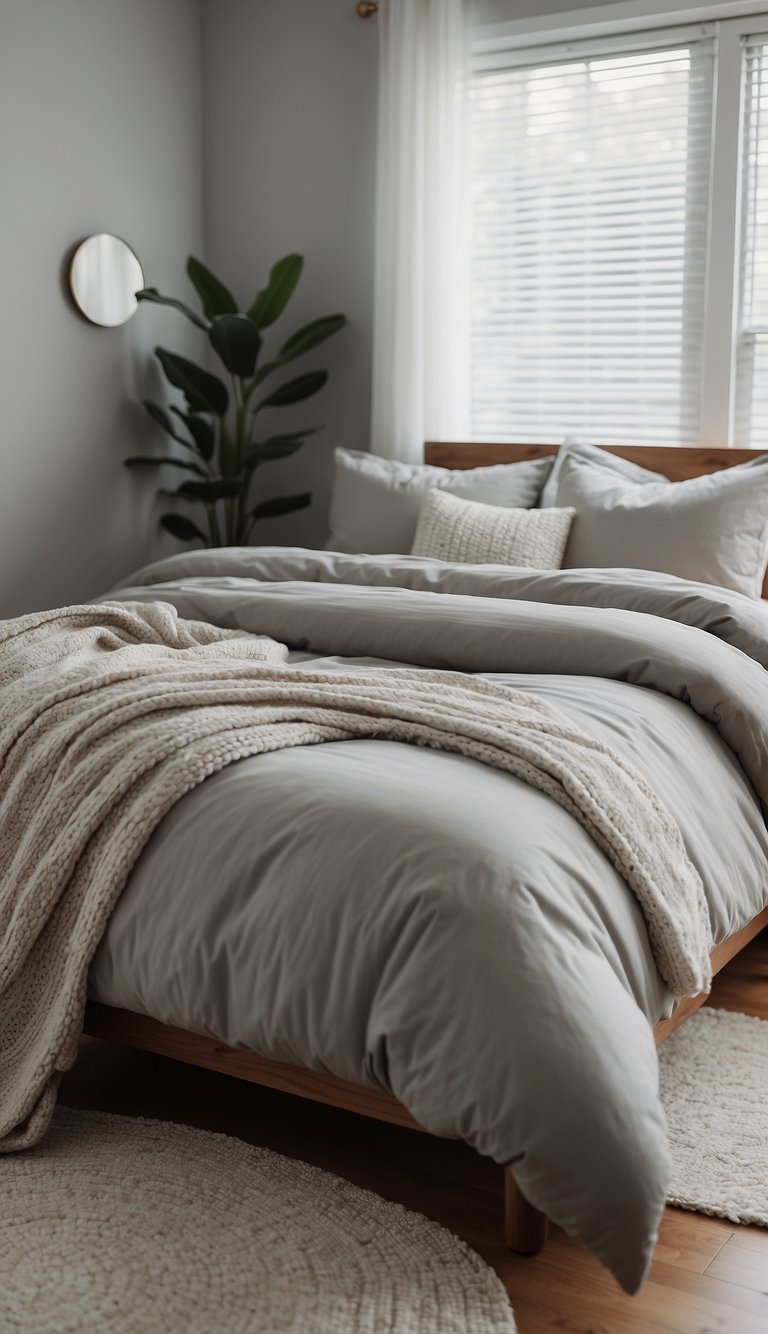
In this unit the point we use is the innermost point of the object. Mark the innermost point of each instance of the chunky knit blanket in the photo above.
(110, 713)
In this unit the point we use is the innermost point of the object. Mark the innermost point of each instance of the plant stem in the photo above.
(243, 440)
(213, 525)
(232, 507)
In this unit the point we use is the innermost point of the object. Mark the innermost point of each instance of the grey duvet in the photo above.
(421, 922)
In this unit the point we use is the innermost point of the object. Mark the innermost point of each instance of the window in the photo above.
(752, 346)
(620, 234)
(591, 192)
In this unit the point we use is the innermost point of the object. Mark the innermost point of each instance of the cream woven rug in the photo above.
(121, 1226)
(714, 1086)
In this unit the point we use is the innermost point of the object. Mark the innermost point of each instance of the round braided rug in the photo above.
(127, 1226)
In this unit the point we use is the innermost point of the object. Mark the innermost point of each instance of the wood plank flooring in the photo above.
(708, 1276)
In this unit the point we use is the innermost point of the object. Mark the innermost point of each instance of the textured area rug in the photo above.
(714, 1086)
(127, 1226)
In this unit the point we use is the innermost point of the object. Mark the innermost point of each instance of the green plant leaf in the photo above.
(160, 416)
(154, 461)
(180, 526)
(277, 446)
(272, 450)
(271, 301)
(301, 342)
(295, 391)
(265, 370)
(238, 343)
(151, 294)
(218, 488)
(216, 298)
(278, 449)
(204, 392)
(201, 431)
(269, 509)
(310, 336)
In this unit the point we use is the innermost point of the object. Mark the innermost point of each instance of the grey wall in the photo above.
(100, 108)
(289, 135)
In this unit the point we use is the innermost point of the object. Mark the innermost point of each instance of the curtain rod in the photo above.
(366, 11)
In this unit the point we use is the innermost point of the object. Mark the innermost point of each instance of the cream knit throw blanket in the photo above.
(110, 713)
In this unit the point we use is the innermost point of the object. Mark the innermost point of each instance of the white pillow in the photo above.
(614, 462)
(375, 504)
(450, 528)
(712, 528)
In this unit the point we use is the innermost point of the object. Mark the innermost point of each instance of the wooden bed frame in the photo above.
(525, 1227)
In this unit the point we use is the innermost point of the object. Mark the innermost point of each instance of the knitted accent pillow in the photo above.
(450, 528)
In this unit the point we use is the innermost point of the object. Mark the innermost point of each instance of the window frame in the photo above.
(644, 19)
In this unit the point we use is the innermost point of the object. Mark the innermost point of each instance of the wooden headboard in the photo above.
(678, 463)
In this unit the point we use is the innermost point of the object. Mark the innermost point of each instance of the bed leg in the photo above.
(525, 1228)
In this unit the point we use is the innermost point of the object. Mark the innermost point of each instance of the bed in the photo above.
(310, 595)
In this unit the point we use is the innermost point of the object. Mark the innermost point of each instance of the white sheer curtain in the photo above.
(421, 292)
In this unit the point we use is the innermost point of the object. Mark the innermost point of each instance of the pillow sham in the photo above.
(712, 528)
(614, 462)
(469, 532)
(375, 504)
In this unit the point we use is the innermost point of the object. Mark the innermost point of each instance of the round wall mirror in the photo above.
(104, 276)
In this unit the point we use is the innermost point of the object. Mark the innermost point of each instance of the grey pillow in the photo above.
(614, 462)
(712, 528)
(376, 502)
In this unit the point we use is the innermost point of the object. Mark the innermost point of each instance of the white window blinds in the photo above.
(591, 188)
(751, 416)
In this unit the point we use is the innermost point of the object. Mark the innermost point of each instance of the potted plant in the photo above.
(218, 426)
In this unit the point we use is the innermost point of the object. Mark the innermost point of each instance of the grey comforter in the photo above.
(419, 922)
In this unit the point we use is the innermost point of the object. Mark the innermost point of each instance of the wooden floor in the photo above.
(707, 1276)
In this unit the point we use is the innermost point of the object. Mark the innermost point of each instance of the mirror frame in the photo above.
(107, 306)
